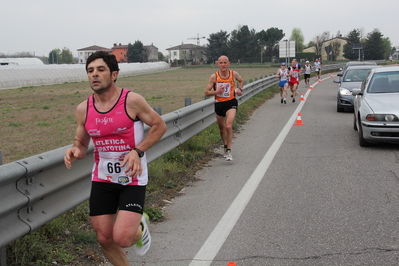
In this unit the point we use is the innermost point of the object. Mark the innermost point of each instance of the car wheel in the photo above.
(340, 109)
(362, 141)
(354, 122)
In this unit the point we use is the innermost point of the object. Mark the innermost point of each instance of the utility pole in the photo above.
(197, 38)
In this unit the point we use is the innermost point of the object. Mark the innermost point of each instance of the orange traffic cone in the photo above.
(302, 99)
(331, 76)
(310, 87)
(299, 120)
(231, 263)
(319, 80)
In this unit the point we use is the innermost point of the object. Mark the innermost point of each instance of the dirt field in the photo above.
(39, 119)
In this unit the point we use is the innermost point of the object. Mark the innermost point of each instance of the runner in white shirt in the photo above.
(307, 68)
(317, 68)
(282, 74)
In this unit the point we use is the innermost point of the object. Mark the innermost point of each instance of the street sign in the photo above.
(287, 49)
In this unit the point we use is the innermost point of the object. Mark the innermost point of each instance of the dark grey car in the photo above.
(357, 63)
(352, 78)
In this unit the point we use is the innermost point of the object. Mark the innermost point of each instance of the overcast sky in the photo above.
(38, 26)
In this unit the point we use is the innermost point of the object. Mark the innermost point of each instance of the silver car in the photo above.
(352, 78)
(376, 107)
(357, 63)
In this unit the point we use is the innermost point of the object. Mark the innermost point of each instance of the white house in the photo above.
(84, 53)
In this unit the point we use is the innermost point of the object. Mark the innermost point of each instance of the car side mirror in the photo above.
(357, 91)
(339, 74)
(337, 80)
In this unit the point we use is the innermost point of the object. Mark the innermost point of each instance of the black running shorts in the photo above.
(222, 107)
(107, 198)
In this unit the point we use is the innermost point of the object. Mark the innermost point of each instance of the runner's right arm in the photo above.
(82, 138)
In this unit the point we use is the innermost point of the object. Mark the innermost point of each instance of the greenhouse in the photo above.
(16, 76)
(20, 61)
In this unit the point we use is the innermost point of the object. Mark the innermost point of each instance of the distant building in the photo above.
(192, 52)
(120, 52)
(150, 53)
(340, 56)
(84, 53)
(396, 53)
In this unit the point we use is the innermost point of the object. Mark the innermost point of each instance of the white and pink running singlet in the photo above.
(114, 135)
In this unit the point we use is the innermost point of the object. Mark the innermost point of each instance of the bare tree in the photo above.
(318, 42)
(335, 45)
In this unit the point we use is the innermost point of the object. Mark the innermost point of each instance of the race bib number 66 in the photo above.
(110, 169)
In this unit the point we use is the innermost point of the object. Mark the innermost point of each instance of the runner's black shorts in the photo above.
(222, 107)
(306, 76)
(107, 198)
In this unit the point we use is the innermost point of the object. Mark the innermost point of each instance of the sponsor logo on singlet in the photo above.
(104, 120)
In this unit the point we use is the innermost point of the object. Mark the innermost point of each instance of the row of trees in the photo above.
(374, 46)
(247, 45)
(244, 44)
(17, 55)
(57, 56)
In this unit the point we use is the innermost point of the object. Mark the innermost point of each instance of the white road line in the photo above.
(218, 236)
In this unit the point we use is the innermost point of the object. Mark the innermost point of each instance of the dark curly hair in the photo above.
(108, 58)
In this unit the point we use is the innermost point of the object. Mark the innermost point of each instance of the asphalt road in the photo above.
(293, 195)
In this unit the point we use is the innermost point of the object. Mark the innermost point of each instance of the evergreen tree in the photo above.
(352, 38)
(217, 45)
(270, 38)
(54, 56)
(374, 46)
(135, 52)
(244, 45)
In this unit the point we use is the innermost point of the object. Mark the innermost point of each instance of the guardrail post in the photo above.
(3, 250)
(158, 110)
(187, 101)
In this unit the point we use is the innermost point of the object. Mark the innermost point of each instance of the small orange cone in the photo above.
(331, 76)
(299, 120)
(231, 263)
(302, 99)
(319, 80)
(310, 87)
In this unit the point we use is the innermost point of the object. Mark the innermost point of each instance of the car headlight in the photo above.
(382, 117)
(344, 91)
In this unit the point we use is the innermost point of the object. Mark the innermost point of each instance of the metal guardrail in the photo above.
(36, 190)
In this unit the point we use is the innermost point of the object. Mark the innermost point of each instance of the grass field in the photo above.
(39, 119)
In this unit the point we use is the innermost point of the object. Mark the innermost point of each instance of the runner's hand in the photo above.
(133, 164)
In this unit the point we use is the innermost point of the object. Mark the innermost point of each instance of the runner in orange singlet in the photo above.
(221, 84)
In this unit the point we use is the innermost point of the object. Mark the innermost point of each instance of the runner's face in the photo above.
(99, 74)
(223, 63)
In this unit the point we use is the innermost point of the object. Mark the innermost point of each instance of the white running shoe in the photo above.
(229, 157)
(225, 153)
(144, 243)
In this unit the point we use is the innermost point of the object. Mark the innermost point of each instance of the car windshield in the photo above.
(355, 75)
(387, 82)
